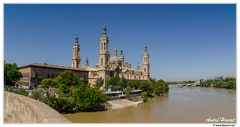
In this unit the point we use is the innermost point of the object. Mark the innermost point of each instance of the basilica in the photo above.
(111, 66)
(33, 74)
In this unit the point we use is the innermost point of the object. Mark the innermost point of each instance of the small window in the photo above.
(48, 75)
(52, 75)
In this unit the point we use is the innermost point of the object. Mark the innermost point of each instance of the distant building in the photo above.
(33, 74)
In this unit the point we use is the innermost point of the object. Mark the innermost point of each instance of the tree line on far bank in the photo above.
(229, 83)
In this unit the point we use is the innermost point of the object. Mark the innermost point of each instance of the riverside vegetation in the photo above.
(66, 93)
(229, 83)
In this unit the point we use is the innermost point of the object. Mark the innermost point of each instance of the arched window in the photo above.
(144, 69)
(101, 61)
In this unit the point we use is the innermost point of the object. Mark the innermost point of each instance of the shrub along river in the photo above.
(180, 105)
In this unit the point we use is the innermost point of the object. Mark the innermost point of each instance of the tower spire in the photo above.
(121, 52)
(138, 67)
(104, 29)
(76, 38)
(86, 62)
(146, 47)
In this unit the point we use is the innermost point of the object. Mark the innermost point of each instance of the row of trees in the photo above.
(182, 82)
(229, 83)
(145, 86)
(149, 88)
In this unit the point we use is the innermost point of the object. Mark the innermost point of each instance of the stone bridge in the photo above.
(21, 109)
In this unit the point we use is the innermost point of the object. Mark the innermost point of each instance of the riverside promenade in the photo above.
(122, 103)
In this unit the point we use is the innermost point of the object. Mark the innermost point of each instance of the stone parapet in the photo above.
(21, 109)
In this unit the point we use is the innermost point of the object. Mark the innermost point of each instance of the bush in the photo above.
(21, 91)
(37, 94)
(9, 89)
(144, 97)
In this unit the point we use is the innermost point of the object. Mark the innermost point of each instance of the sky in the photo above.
(185, 41)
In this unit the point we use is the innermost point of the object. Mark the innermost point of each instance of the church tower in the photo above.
(104, 53)
(146, 65)
(76, 54)
(104, 56)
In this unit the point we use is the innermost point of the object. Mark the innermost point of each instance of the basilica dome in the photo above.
(114, 59)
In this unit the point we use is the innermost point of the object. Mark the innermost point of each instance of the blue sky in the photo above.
(185, 41)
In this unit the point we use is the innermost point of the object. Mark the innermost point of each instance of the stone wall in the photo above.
(21, 109)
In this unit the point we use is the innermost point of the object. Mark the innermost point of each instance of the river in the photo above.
(180, 105)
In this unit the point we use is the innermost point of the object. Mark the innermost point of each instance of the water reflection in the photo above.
(181, 105)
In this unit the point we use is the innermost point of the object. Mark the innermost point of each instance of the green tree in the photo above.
(99, 83)
(48, 82)
(70, 95)
(67, 78)
(88, 98)
(114, 81)
(137, 84)
(65, 81)
(160, 87)
(131, 84)
(128, 92)
(144, 97)
(145, 86)
(122, 82)
(74, 95)
(11, 73)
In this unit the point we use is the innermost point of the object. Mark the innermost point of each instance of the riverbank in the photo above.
(180, 105)
(122, 103)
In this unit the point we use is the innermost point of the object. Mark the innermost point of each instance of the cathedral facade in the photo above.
(111, 66)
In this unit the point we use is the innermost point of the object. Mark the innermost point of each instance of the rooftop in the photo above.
(45, 65)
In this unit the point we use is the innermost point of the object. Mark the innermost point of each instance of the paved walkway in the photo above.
(123, 103)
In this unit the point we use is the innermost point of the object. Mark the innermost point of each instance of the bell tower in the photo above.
(104, 54)
(146, 65)
(76, 54)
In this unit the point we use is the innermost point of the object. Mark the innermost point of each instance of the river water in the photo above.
(180, 105)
